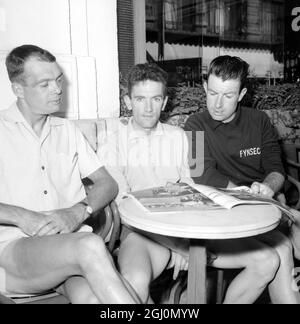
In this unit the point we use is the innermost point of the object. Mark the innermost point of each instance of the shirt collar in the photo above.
(13, 114)
(56, 121)
(215, 124)
(134, 134)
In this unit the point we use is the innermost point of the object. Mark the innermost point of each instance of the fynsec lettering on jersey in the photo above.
(250, 152)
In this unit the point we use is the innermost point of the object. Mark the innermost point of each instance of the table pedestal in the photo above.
(197, 273)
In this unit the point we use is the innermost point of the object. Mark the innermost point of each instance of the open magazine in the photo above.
(181, 196)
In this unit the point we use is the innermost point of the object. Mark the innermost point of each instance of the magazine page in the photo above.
(219, 196)
(181, 196)
(171, 198)
(228, 198)
(245, 196)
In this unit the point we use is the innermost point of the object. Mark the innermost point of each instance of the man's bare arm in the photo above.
(274, 181)
(100, 193)
(9, 215)
(271, 185)
(28, 221)
(103, 190)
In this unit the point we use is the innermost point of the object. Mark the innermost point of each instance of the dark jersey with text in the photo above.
(242, 151)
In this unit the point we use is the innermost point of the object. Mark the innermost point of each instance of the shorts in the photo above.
(9, 234)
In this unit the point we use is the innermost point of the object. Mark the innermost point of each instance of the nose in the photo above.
(148, 106)
(56, 87)
(219, 102)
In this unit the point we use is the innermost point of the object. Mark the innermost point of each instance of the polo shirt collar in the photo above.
(134, 133)
(13, 114)
(214, 124)
(56, 121)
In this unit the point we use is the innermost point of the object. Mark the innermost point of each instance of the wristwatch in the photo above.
(88, 208)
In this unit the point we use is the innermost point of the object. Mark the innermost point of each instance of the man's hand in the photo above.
(30, 222)
(262, 189)
(63, 221)
(178, 262)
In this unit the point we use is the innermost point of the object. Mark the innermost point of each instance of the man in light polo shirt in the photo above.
(142, 153)
(241, 148)
(42, 199)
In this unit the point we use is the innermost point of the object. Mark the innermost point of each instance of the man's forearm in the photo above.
(9, 215)
(101, 195)
(274, 181)
(102, 192)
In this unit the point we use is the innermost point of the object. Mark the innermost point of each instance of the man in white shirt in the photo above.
(143, 153)
(42, 199)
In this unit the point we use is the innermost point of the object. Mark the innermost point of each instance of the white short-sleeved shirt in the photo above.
(43, 173)
(139, 160)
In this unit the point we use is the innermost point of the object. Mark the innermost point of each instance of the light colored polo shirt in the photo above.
(138, 159)
(43, 173)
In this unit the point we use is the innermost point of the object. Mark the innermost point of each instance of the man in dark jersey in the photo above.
(241, 148)
(241, 145)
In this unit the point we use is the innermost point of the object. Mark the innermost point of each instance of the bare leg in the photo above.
(78, 291)
(281, 288)
(260, 264)
(294, 234)
(141, 261)
(38, 264)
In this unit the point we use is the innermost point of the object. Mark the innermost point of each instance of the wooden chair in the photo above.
(292, 184)
(109, 231)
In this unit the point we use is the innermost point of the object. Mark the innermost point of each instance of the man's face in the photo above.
(223, 98)
(147, 102)
(42, 86)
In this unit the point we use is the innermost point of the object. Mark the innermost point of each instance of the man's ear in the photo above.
(165, 103)
(128, 102)
(205, 86)
(242, 94)
(17, 89)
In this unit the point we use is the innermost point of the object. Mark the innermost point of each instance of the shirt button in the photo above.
(43, 168)
(45, 192)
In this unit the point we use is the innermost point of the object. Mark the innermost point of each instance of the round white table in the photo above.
(238, 222)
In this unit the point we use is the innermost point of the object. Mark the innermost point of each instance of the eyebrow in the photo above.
(157, 96)
(226, 93)
(47, 79)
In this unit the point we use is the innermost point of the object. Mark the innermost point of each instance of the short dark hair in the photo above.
(17, 58)
(145, 72)
(228, 68)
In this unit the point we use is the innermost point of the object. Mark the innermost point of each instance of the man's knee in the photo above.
(282, 244)
(265, 262)
(89, 246)
(285, 250)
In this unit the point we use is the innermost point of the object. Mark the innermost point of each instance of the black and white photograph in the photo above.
(149, 154)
